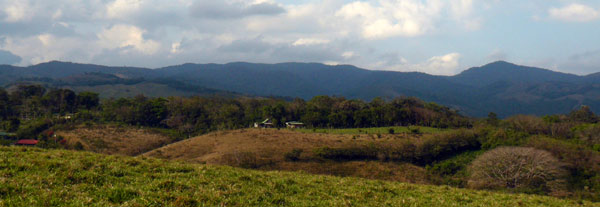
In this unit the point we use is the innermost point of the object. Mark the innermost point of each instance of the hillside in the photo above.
(266, 149)
(109, 139)
(36, 177)
(500, 87)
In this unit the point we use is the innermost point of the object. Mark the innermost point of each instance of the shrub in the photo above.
(518, 168)
(589, 134)
(444, 145)
(415, 130)
(78, 146)
(583, 165)
(368, 152)
(244, 160)
(391, 131)
(528, 124)
(293, 155)
(493, 138)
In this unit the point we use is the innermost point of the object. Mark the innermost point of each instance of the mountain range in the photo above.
(500, 87)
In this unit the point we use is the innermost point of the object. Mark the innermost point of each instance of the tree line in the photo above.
(196, 115)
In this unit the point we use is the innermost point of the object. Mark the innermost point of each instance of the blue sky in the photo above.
(434, 36)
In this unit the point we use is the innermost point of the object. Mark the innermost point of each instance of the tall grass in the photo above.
(375, 130)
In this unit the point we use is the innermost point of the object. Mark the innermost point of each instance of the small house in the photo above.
(267, 123)
(27, 142)
(294, 124)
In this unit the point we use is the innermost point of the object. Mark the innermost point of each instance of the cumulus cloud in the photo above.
(437, 65)
(157, 33)
(16, 11)
(7, 58)
(574, 13)
(441, 65)
(119, 8)
(462, 12)
(310, 41)
(124, 36)
(391, 18)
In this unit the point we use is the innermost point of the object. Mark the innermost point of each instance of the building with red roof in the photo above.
(27, 142)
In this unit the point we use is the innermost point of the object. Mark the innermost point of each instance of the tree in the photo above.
(492, 119)
(87, 100)
(5, 106)
(60, 101)
(584, 114)
(521, 168)
(27, 91)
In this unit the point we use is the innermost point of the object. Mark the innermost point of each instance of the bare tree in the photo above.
(516, 167)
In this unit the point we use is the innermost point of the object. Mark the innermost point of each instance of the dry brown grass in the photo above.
(266, 148)
(109, 139)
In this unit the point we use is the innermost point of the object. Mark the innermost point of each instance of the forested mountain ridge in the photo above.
(500, 87)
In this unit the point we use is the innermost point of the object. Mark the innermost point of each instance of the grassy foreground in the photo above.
(37, 177)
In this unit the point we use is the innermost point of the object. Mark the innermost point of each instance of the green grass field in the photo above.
(37, 177)
(375, 130)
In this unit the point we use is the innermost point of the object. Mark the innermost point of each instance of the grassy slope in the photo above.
(113, 139)
(374, 130)
(35, 177)
(265, 149)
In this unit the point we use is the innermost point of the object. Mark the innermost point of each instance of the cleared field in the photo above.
(266, 149)
(110, 139)
(36, 177)
(376, 130)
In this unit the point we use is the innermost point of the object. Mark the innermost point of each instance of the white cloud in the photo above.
(437, 65)
(574, 13)
(16, 11)
(47, 47)
(120, 8)
(348, 55)
(462, 12)
(310, 41)
(122, 36)
(176, 47)
(391, 17)
(156, 32)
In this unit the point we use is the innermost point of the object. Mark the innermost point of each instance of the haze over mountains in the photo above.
(500, 87)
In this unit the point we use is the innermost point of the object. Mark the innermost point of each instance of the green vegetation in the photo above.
(375, 130)
(400, 136)
(32, 109)
(37, 177)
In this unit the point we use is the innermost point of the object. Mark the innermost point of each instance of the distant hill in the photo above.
(505, 71)
(500, 87)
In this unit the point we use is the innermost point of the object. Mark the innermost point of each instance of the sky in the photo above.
(441, 37)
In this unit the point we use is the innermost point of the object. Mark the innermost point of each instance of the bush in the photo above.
(293, 155)
(368, 152)
(517, 168)
(249, 160)
(528, 124)
(493, 138)
(444, 145)
(431, 149)
(583, 165)
(589, 134)
(415, 130)
(391, 131)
